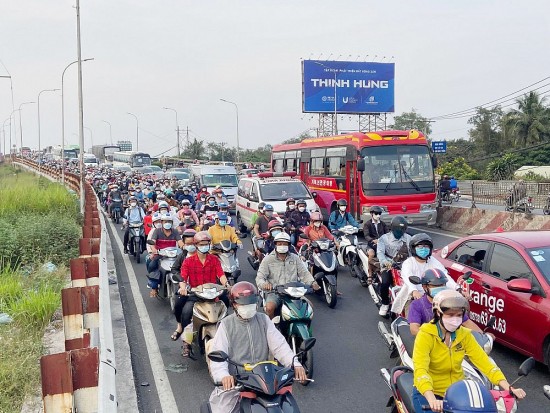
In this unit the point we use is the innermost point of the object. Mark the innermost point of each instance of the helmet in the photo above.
(166, 217)
(289, 200)
(342, 202)
(274, 224)
(243, 292)
(301, 202)
(164, 204)
(448, 299)
(468, 396)
(420, 239)
(282, 236)
(202, 236)
(316, 216)
(433, 276)
(375, 209)
(132, 198)
(268, 207)
(223, 205)
(156, 217)
(185, 202)
(189, 233)
(161, 196)
(399, 222)
(261, 205)
(222, 216)
(209, 197)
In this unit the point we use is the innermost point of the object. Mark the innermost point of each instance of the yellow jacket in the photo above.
(219, 233)
(436, 366)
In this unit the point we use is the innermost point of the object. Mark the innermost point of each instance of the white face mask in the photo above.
(282, 249)
(343, 208)
(246, 311)
(301, 209)
(158, 224)
(292, 206)
(451, 323)
(167, 225)
(317, 224)
(133, 204)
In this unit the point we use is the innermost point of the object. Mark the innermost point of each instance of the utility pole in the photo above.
(187, 137)
(223, 146)
(179, 151)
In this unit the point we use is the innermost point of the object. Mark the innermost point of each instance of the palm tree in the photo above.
(531, 120)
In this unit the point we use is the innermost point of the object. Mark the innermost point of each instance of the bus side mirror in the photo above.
(361, 165)
(434, 161)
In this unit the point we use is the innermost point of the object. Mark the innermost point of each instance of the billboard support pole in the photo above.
(326, 124)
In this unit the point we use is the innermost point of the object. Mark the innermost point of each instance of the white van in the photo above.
(90, 160)
(214, 175)
(272, 189)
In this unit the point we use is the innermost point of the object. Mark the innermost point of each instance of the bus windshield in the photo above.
(219, 179)
(142, 160)
(397, 169)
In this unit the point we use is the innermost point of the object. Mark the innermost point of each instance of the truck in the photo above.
(214, 175)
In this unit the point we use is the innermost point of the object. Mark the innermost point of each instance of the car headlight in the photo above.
(366, 209)
(427, 207)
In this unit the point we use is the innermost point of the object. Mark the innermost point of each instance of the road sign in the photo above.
(439, 146)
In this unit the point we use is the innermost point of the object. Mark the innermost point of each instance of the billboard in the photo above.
(361, 87)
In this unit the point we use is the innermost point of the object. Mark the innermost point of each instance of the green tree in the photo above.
(531, 120)
(195, 150)
(412, 120)
(459, 169)
(502, 168)
(486, 129)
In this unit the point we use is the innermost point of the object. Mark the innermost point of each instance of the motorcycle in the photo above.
(258, 252)
(446, 196)
(524, 204)
(400, 382)
(294, 322)
(227, 253)
(168, 283)
(323, 266)
(137, 234)
(264, 386)
(455, 194)
(116, 210)
(207, 312)
(546, 208)
(347, 253)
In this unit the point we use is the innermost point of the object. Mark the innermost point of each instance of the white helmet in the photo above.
(282, 236)
(164, 204)
(166, 217)
(156, 217)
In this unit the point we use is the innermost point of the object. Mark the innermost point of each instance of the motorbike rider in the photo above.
(257, 214)
(210, 205)
(340, 217)
(444, 185)
(260, 226)
(278, 268)
(134, 214)
(316, 229)
(115, 195)
(222, 231)
(186, 206)
(453, 183)
(387, 249)
(246, 336)
(373, 230)
(219, 196)
(299, 220)
(420, 248)
(196, 270)
(186, 195)
(439, 348)
(433, 281)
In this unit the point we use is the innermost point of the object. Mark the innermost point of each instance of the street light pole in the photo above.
(12, 101)
(137, 130)
(63, 118)
(38, 100)
(110, 130)
(21, 124)
(80, 111)
(237, 109)
(177, 129)
(4, 131)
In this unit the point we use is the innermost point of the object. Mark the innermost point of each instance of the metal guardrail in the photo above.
(83, 378)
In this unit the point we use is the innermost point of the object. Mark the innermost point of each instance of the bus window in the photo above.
(317, 166)
(278, 165)
(291, 165)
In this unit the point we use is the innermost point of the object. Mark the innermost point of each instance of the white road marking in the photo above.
(432, 231)
(164, 390)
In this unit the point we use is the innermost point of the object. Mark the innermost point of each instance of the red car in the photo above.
(511, 281)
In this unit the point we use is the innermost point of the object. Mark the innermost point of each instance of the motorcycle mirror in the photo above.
(218, 356)
(236, 274)
(546, 389)
(415, 280)
(242, 235)
(526, 367)
(303, 236)
(307, 344)
(467, 275)
(151, 242)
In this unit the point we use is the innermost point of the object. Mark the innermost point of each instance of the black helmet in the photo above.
(433, 276)
(420, 239)
(375, 209)
(399, 223)
(261, 205)
(342, 202)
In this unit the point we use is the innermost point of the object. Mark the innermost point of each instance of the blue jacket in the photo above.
(337, 220)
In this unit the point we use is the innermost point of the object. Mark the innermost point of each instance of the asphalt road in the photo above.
(348, 355)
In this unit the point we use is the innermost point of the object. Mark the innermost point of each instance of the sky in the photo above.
(187, 55)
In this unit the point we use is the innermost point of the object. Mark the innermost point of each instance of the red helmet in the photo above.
(316, 216)
(202, 236)
(274, 223)
(289, 200)
(189, 233)
(243, 292)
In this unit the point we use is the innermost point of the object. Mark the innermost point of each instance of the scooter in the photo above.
(455, 194)
(137, 234)
(323, 266)
(546, 208)
(397, 283)
(168, 284)
(347, 239)
(258, 252)
(207, 312)
(294, 322)
(522, 205)
(264, 386)
(116, 210)
(227, 253)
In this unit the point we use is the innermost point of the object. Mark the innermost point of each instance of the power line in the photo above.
(498, 155)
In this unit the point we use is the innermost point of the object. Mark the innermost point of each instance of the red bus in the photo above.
(392, 169)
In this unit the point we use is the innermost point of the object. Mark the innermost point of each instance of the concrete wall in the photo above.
(476, 220)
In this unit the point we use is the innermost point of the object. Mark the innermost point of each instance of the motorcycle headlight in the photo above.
(427, 207)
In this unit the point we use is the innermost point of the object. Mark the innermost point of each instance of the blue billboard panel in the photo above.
(356, 87)
(439, 146)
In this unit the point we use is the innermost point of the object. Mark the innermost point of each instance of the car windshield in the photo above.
(144, 170)
(541, 258)
(219, 179)
(397, 169)
(283, 190)
(155, 168)
(179, 175)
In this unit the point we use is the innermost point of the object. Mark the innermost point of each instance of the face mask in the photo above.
(132, 193)
(167, 225)
(282, 249)
(191, 248)
(163, 211)
(138, 190)
(268, 213)
(260, 211)
(211, 203)
(422, 252)
(204, 190)
(451, 323)
(397, 233)
(317, 224)
(376, 217)
(158, 192)
(204, 248)
(222, 223)
(185, 192)
(246, 311)
(133, 204)
(158, 225)
(301, 209)
(343, 208)
(435, 290)
(291, 207)
(275, 233)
